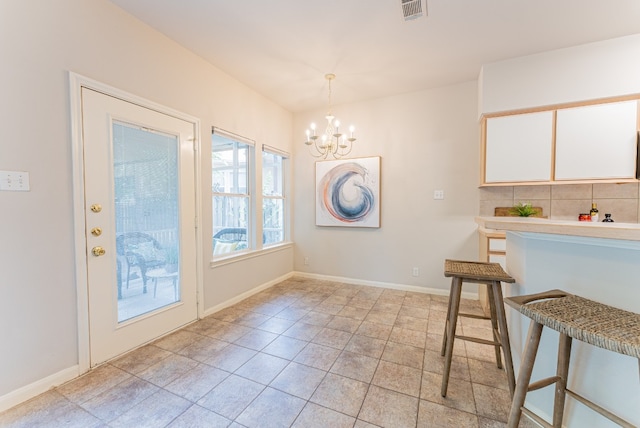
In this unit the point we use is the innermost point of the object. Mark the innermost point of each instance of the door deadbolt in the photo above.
(98, 251)
(96, 208)
(96, 231)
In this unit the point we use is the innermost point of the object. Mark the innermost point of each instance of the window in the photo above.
(273, 195)
(238, 205)
(231, 192)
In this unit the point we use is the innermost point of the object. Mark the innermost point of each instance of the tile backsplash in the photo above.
(567, 201)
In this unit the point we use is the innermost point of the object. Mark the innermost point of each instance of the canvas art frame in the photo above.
(348, 192)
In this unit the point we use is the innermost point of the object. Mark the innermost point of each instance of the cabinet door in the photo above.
(597, 142)
(519, 148)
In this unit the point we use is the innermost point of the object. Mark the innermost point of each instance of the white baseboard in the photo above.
(27, 392)
(402, 287)
(394, 286)
(246, 294)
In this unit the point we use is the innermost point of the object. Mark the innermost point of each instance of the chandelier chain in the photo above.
(329, 112)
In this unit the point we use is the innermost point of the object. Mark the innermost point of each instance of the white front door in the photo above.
(139, 185)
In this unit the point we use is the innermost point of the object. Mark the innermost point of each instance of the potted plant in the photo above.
(523, 209)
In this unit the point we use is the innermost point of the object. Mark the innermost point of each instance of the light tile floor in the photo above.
(304, 353)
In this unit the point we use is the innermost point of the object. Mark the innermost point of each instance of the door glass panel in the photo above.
(145, 171)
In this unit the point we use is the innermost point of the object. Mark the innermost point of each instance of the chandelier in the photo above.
(332, 142)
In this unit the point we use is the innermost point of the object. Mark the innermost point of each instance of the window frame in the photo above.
(249, 195)
(285, 159)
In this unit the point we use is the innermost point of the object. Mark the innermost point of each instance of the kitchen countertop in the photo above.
(623, 231)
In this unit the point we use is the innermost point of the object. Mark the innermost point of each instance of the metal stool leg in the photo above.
(454, 306)
(524, 376)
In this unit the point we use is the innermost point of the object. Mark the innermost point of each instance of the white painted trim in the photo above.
(27, 392)
(198, 220)
(275, 151)
(76, 82)
(250, 254)
(402, 287)
(231, 136)
(79, 226)
(247, 294)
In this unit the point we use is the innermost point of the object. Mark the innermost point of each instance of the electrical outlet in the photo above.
(306, 261)
(438, 194)
(14, 181)
(415, 271)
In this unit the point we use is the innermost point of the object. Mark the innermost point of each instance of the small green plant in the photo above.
(523, 210)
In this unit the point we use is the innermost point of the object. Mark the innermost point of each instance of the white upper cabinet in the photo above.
(518, 148)
(597, 141)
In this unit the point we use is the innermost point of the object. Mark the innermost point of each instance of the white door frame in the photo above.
(76, 82)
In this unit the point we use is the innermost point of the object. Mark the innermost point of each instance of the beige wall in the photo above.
(41, 41)
(566, 201)
(603, 69)
(428, 141)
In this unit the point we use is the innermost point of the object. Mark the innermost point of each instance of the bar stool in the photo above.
(574, 317)
(492, 275)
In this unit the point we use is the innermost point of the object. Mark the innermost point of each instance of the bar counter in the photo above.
(598, 261)
(623, 231)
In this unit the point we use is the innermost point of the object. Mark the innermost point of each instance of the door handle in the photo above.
(98, 251)
(96, 231)
(96, 208)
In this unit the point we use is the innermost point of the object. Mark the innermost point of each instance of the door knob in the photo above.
(96, 208)
(96, 231)
(98, 251)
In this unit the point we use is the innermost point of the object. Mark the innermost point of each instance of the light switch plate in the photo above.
(14, 181)
(438, 194)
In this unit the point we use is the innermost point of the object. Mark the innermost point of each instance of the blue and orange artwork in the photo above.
(348, 192)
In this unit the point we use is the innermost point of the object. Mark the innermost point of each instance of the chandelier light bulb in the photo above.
(324, 142)
(343, 144)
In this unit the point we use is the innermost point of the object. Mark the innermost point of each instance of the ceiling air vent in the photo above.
(412, 9)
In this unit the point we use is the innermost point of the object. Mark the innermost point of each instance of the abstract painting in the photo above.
(348, 192)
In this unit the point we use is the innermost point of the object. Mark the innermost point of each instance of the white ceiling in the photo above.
(283, 48)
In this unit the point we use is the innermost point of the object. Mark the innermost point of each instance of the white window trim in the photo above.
(285, 193)
(232, 136)
(275, 151)
(255, 244)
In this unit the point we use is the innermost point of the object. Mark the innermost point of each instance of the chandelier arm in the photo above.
(319, 152)
(343, 153)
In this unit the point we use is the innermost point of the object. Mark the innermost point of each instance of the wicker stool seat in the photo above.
(492, 275)
(574, 317)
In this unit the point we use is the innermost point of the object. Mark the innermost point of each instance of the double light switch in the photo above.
(14, 181)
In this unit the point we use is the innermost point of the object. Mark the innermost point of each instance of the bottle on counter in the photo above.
(607, 218)
(594, 212)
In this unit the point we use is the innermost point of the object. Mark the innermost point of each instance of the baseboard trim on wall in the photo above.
(355, 281)
(394, 286)
(27, 392)
(246, 294)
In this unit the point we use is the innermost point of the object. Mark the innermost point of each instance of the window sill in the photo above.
(250, 254)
